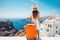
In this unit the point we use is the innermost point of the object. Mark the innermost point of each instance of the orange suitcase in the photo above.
(30, 31)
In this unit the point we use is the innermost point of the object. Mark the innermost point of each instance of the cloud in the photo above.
(14, 15)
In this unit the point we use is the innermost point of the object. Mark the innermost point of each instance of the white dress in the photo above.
(35, 21)
(37, 24)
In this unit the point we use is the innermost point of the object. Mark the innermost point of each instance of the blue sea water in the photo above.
(19, 23)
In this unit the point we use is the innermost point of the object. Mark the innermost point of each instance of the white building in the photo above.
(51, 26)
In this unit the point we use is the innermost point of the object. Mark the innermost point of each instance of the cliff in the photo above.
(6, 28)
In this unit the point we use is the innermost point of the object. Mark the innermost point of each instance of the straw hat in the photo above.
(34, 6)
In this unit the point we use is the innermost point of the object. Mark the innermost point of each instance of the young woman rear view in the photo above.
(35, 18)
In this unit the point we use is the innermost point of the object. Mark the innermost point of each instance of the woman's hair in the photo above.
(35, 14)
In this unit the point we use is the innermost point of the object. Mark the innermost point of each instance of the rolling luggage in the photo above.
(30, 31)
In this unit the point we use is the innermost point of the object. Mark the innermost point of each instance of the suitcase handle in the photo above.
(31, 22)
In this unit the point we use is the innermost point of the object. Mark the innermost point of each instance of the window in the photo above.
(56, 31)
(49, 26)
(56, 27)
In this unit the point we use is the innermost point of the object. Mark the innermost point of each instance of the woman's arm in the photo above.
(30, 18)
(39, 16)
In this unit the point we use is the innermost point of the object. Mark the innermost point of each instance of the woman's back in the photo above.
(36, 21)
(35, 18)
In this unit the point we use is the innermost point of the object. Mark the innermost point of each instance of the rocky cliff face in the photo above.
(6, 28)
(20, 33)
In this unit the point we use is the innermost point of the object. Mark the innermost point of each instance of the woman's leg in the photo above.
(31, 38)
(38, 33)
(34, 38)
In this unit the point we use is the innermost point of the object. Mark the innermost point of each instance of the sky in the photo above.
(23, 8)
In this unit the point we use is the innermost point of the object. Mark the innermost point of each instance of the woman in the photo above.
(35, 18)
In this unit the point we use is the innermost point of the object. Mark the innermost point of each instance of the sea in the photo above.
(18, 23)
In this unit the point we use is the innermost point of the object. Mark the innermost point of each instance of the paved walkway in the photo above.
(23, 38)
